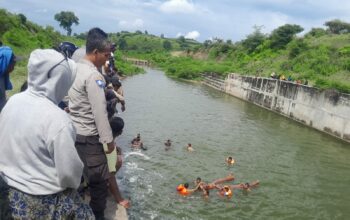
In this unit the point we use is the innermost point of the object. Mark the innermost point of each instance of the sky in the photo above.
(195, 19)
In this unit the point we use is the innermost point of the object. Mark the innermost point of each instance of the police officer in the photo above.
(87, 106)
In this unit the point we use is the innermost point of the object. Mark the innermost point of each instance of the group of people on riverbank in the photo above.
(47, 153)
(290, 79)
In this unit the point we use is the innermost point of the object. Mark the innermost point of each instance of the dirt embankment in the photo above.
(200, 55)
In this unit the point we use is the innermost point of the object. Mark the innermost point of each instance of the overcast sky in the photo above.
(197, 19)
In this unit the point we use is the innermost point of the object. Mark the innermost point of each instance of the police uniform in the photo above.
(87, 105)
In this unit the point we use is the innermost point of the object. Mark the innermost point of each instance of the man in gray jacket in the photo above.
(88, 111)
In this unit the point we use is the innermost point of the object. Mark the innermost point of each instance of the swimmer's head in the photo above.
(198, 180)
(186, 185)
(246, 186)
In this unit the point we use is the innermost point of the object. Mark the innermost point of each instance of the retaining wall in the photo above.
(324, 110)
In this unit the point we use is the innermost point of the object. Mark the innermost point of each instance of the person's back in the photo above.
(39, 115)
(39, 161)
(23, 137)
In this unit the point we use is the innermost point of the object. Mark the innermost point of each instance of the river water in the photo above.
(304, 174)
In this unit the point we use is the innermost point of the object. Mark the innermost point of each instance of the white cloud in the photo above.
(131, 25)
(177, 6)
(179, 34)
(192, 35)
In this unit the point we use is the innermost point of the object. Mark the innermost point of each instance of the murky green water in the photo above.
(304, 174)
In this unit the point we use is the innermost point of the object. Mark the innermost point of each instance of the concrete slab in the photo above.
(114, 211)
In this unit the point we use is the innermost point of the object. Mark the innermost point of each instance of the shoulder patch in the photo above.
(101, 83)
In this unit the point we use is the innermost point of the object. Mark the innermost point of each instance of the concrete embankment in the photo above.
(325, 110)
(138, 62)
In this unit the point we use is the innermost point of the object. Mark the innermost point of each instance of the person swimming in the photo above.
(225, 191)
(137, 143)
(230, 161)
(167, 144)
(244, 186)
(189, 147)
(183, 189)
(205, 187)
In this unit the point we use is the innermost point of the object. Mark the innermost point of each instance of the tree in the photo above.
(122, 45)
(316, 32)
(67, 19)
(22, 18)
(167, 45)
(207, 43)
(337, 26)
(281, 36)
(254, 40)
(181, 39)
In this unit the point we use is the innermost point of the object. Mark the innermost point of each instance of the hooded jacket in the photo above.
(37, 138)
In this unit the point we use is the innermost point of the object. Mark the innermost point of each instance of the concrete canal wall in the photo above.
(138, 62)
(324, 110)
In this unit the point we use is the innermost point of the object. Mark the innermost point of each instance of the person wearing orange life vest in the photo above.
(184, 190)
(205, 187)
(226, 191)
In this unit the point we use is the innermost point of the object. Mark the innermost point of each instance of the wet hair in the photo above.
(186, 185)
(117, 125)
(246, 184)
(111, 102)
(199, 179)
(97, 39)
(230, 158)
(66, 48)
(115, 81)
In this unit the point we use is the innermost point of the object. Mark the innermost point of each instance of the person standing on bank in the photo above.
(87, 104)
(7, 65)
(38, 160)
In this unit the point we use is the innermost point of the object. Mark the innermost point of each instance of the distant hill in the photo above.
(23, 36)
(147, 43)
(321, 56)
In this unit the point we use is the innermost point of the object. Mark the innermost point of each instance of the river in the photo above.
(304, 174)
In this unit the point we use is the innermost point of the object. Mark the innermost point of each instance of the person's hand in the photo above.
(123, 108)
(125, 203)
(66, 109)
(110, 147)
(120, 158)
